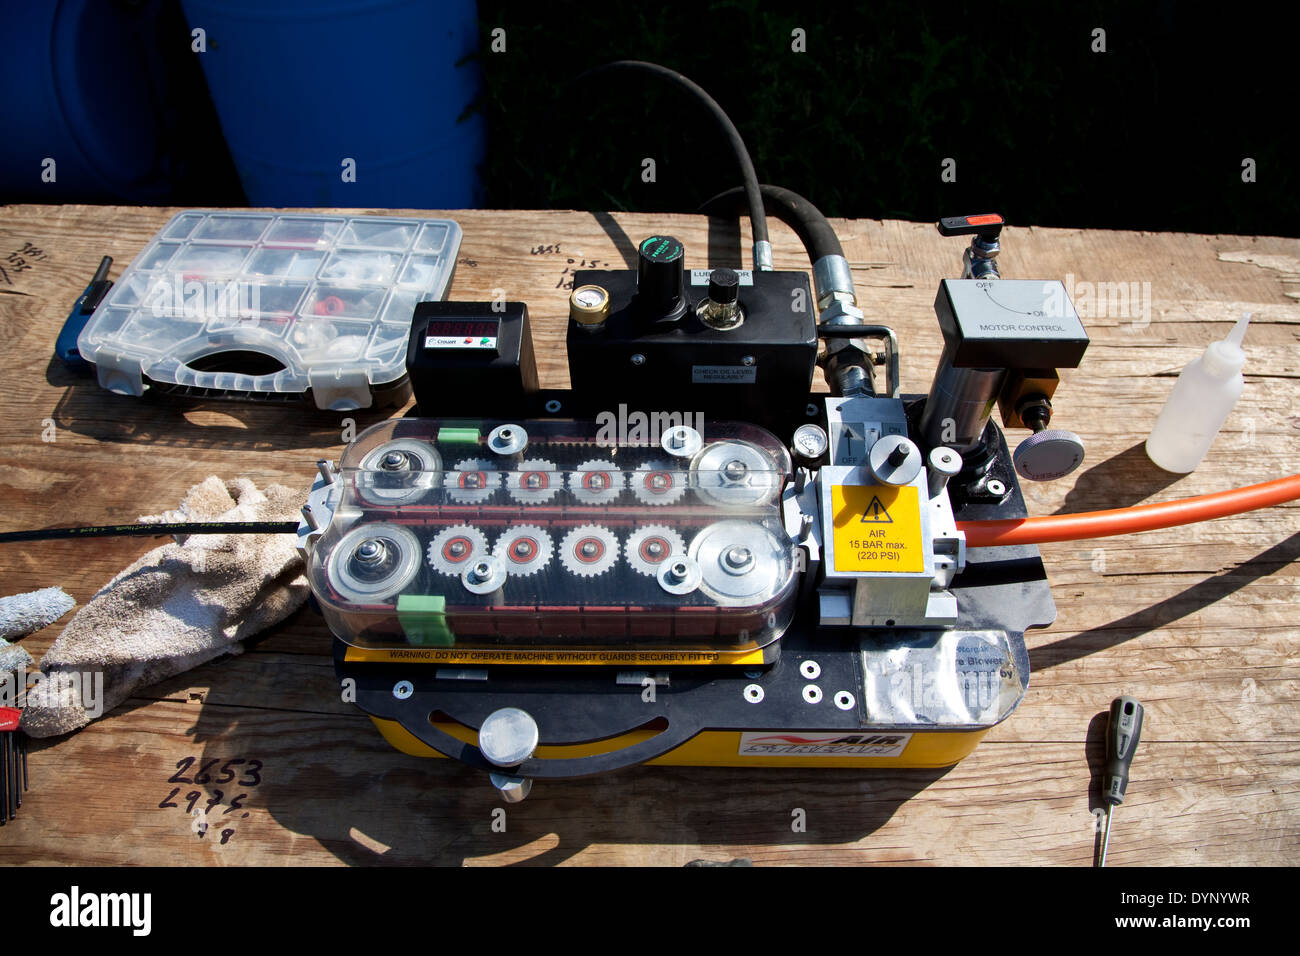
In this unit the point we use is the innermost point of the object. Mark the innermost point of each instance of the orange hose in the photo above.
(1101, 524)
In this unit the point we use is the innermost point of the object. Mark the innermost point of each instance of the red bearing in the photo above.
(650, 558)
(597, 550)
(457, 549)
(523, 550)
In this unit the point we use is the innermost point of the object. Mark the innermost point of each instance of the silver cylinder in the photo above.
(959, 405)
(944, 464)
(831, 275)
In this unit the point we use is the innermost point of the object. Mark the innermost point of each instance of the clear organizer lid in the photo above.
(535, 535)
(264, 306)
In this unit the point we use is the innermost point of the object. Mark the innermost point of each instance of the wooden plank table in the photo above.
(1200, 623)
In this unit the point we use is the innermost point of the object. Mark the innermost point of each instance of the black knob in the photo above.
(724, 286)
(660, 278)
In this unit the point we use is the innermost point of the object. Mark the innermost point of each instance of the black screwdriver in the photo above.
(1123, 731)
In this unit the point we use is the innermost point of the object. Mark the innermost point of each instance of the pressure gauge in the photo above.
(809, 444)
(589, 305)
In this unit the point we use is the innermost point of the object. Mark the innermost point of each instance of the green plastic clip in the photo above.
(462, 436)
(423, 618)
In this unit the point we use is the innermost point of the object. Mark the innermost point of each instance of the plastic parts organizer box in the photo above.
(271, 307)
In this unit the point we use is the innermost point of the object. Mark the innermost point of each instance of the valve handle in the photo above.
(987, 225)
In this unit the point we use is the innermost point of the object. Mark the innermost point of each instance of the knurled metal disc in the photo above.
(589, 550)
(525, 549)
(398, 471)
(373, 562)
(597, 482)
(741, 563)
(646, 549)
(472, 481)
(656, 482)
(1049, 454)
(456, 548)
(533, 481)
(735, 473)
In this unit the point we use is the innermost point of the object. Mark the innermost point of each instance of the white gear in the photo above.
(472, 482)
(597, 482)
(589, 550)
(533, 481)
(525, 549)
(649, 547)
(454, 549)
(656, 482)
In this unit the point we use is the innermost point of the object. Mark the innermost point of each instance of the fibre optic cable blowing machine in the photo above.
(690, 558)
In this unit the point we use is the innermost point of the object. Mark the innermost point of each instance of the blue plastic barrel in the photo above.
(304, 87)
(84, 113)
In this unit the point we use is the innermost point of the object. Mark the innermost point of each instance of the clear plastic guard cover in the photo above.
(323, 302)
(545, 535)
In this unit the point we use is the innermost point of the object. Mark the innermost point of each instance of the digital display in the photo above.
(464, 328)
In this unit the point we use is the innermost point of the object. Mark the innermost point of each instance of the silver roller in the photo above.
(647, 548)
(589, 550)
(456, 548)
(399, 471)
(373, 563)
(656, 482)
(533, 481)
(741, 563)
(736, 474)
(525, 549)
(597, 482)
(472, 482)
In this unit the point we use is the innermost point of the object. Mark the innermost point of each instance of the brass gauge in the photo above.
(589, 306)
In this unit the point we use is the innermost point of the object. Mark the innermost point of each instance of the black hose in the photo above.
(757, 217)
(792, 209)
(154, 530)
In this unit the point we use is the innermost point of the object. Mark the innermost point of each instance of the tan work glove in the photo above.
(179, 606)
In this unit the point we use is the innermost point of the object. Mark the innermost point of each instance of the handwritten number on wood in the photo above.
(229, 771)
(252, 772)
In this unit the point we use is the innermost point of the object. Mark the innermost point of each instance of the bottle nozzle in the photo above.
(1239, 330)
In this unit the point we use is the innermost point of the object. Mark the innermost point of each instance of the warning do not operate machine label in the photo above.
(877, 528)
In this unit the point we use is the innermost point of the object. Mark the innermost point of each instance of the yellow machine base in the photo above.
(717, 748)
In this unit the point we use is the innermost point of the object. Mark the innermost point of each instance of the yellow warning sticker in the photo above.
(877, 528)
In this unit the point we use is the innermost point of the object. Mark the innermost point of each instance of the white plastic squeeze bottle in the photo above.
(1200, 403)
